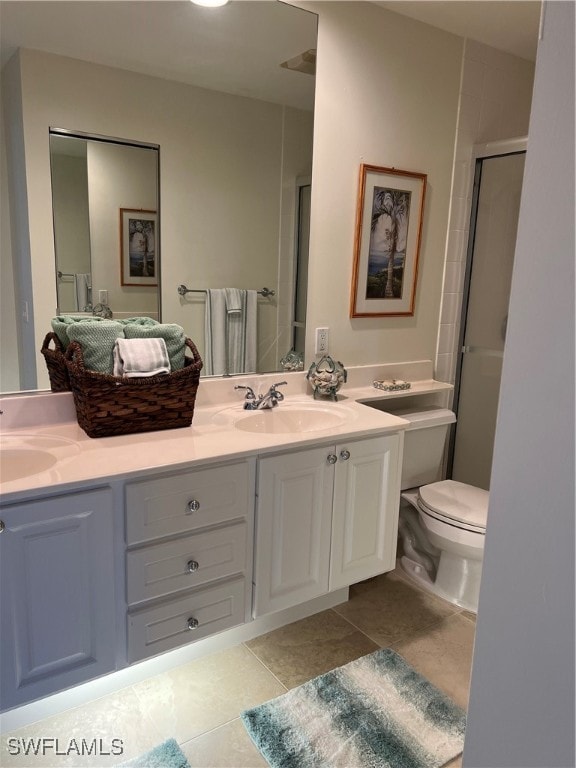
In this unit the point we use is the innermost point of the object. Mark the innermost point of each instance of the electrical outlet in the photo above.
(103, 296)
(321, 341)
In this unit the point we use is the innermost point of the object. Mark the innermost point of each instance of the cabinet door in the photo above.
(57, 594)
(366, 502)
(294, 514)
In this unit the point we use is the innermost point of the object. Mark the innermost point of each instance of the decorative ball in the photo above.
(326, 377)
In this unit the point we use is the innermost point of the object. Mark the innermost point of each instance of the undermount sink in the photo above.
(26, 455)
(291, 419)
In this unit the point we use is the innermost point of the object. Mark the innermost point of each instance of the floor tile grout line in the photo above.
(266, 667)
(209, 731)
(409, 634)
(362, 632)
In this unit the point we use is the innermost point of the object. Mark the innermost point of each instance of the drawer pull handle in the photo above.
(344, 455)
(193, 506)
(332, 458)
(193, 623)
(192, 566)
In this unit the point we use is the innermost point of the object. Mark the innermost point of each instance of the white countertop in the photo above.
(211, 437)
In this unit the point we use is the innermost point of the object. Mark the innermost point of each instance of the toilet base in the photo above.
(457, 579)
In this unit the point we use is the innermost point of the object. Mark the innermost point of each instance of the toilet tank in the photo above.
(424, 444)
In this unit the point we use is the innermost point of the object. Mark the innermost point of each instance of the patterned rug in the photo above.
(375, 712)
(166, 755)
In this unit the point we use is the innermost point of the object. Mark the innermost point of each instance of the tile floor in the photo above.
(199, 703)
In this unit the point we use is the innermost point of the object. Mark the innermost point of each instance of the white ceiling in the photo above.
(237, 48)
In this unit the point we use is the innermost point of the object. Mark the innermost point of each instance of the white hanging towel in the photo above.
(82, 286)
(230, 331)
(215, 332)
(251, 337)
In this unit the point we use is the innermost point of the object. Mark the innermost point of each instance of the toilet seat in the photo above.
(456, 504)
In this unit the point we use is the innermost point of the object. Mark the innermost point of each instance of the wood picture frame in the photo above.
(138, 254)
(387, 241)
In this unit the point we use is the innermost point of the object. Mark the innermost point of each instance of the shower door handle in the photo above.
(482, 351)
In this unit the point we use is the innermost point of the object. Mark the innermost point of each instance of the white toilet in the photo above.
(442, 522)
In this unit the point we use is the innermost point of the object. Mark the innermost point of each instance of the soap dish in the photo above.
(395, 385)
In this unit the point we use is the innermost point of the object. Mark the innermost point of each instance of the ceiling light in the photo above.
(210, 3)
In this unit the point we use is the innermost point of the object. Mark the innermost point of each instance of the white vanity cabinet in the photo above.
(189, 556)
(57, 594)
(327, 517)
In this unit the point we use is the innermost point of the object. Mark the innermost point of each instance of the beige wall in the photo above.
(119, 177)
(386, 94)
(9, 373)
(71, 224)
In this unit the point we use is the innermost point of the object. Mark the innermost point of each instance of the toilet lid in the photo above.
(458, 502)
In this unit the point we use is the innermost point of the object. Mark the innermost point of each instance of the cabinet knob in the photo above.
(193, 623)
(332, 458)
(192, 566)
(193, 506)
(2, 526)
(344, 455)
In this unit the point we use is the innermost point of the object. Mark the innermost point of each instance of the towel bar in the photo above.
(182, 290)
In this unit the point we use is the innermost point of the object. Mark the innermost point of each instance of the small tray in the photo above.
(392, 385)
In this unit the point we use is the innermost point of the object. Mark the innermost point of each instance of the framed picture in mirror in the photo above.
(387, 241)
(138, 230)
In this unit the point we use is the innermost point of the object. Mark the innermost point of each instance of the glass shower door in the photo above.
(498, 185)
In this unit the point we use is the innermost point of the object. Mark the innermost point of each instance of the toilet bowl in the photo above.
(444, 539)
(442, 523)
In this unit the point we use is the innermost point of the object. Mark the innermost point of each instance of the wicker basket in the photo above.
(109, 405)
(56, 363)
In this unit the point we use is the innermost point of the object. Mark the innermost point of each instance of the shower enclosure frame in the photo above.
(481, 152)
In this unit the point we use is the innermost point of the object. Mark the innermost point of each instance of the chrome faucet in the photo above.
(271, 398)
(250, 401)
(262, 402)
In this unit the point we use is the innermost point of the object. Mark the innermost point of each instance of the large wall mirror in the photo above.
(216, 161)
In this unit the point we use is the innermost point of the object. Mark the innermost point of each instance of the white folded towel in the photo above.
(140, 357)
(233, 297)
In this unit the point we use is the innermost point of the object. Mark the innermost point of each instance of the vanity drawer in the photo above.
(187, 501)
(188, 562)
(178, 622)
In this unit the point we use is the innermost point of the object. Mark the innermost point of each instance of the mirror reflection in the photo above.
(232, 141)
(104, 206)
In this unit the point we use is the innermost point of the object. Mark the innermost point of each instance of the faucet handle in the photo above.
(250, 392)
(274, 391)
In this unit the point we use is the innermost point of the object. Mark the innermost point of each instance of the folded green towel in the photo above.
(172, 334)
(145, 321)
(97, 340)
(61, 323)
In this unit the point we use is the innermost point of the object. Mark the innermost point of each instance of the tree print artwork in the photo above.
(387, 249)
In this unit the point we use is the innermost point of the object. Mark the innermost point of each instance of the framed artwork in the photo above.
(138, 231)
(387, 241)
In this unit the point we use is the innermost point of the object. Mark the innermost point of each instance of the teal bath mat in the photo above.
(166, 755)
(375, 712)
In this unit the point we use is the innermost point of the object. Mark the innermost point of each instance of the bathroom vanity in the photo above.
(133, 546)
